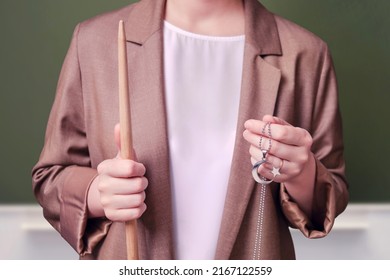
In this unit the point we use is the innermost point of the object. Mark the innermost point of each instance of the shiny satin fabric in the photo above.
(287, 72)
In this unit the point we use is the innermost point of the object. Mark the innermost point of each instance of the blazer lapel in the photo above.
(146, 82)
(260, 83)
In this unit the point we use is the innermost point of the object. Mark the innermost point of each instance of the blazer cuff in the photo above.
(324, 206)
(81, 233)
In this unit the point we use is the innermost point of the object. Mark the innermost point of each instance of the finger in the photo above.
(121, 168)
(286, 134)
(276, 162)
(290, 135)
(290, 168)
(124, 201)
(275, 120)
(271, 161)
(120, 186)
(278, 149)
(269, 172)
(255, 126)
(286, 168)
(123, 215)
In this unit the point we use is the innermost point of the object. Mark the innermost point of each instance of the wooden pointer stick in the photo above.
(126, 136)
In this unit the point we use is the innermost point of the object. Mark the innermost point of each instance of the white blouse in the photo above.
(202, 91)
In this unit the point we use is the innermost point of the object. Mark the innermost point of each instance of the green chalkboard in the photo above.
(358, 33)
(35, 36)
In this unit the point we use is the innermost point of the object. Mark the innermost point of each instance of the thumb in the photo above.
(275, 120)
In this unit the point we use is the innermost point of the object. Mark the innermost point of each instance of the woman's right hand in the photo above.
(118, 192)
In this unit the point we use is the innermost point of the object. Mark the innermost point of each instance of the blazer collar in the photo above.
(144, 20)
(260, 27)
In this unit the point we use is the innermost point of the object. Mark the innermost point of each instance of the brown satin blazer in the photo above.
(287, 72)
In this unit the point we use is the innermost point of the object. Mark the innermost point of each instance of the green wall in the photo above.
(358, 33)
(35, 36)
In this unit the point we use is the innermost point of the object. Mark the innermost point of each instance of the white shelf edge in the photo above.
(350, 226)
(36, 227)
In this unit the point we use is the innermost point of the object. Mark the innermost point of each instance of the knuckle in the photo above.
(137, 212)
(109, 214)
(130, 167)
(271, 160)
(143, 209)
(307, 139)
(143, 168)
(105, 184)
(100, 168)
(282, 135)
(140, 184)
(105, 201)
(139, 198)
(275, 146)
(102, 185)
(134, 213)
(137, 184)
(303, 158)
(145, 182)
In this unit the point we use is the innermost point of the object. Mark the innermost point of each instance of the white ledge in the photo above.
(37, 227)
(347, 221)
(347, 226)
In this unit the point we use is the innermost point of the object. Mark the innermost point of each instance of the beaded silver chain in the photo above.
(265, 151)
(257, 250)
(259, 225)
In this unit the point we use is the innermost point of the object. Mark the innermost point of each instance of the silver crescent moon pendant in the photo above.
(256, 175)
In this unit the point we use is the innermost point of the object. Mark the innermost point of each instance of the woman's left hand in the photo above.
(290, 149)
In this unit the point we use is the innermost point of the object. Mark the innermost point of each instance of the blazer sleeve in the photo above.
(63, 174)
(331, 189)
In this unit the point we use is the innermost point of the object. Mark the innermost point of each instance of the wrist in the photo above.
(307, 176)
(301, 187)
(94, 206)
